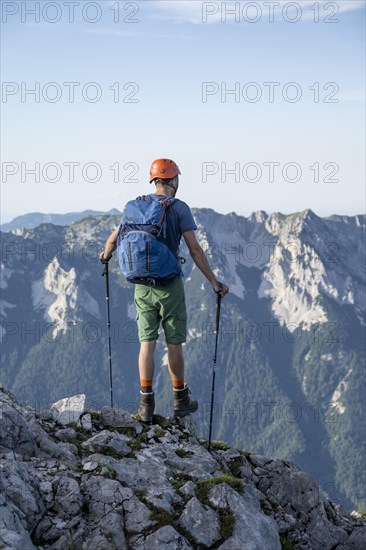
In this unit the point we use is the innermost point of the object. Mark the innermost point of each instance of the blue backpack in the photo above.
(143, 258)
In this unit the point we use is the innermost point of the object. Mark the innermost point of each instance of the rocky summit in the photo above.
(97, 480)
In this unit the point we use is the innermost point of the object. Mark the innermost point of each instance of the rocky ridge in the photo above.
(72, 478)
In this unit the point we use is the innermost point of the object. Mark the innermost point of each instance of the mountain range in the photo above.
(28, 221)
(290, 379)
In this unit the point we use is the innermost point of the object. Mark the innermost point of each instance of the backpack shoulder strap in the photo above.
(165, 204)
(143, 198)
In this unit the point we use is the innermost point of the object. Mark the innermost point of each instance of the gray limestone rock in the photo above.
(68, 500)
(19, 493)
(259, 460)
(105, 442)
(200, 465)
(299, 495)
(15, 432)
(253, 529)
(188, 489)
(66, 434)
(231, 454)
(137, 514)
(14, 540)
(90, 465)
(108, 535)
(162, 498)
(201, 522)
(61, 451)
(356, 540)
(6, 395)
(294, 490)
(165, 538)
(151, 433)
(188, 425)
(103, 499)
(69, 409)
(246, 472)
(21, 506)
(85, 422)
(119, 418)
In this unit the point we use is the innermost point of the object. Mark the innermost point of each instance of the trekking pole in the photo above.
(218, 306)
(106, 274)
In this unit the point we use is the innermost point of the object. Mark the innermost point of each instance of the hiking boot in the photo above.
(183, 404)
(147, 406)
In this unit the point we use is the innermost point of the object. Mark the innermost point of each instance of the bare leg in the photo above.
(176, 363)
(146, 360)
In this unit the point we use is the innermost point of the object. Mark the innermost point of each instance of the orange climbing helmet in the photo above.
(163, 168)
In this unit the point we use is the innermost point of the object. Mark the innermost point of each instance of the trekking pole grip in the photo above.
(105, 270)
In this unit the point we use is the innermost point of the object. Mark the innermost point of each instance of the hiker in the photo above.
(157, 302)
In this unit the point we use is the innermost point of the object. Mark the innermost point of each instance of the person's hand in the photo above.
(103, 259)
(220, 288)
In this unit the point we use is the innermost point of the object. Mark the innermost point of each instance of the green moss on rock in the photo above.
(203, 487)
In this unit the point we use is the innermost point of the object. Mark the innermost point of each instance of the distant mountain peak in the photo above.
(259, 216)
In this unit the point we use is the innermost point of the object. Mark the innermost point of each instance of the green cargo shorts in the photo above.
(161, 303)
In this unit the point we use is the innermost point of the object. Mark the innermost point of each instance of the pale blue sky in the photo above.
(169, 52)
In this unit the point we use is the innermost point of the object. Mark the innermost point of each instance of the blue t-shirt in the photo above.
(179, 219)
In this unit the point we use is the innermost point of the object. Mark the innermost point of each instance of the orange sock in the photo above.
(146, 385)
(178, 384)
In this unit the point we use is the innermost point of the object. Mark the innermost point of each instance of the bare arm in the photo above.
(199, 258)
(110, 245)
